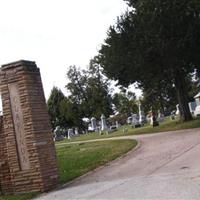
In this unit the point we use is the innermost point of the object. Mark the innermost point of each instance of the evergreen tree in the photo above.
(53, 105)
(157, 41)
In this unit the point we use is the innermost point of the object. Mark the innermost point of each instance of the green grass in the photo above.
(18, 197)
(168, 125)
(78, 159)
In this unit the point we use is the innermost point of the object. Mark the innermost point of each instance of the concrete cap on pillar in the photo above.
(24, 63)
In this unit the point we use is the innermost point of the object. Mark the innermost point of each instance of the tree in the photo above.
(89, 91)
(125, 103)
(98, 92)
(70, 114)
(195, 83)
(156, 42)
(160, 99)
(53, 105)
(76, 85)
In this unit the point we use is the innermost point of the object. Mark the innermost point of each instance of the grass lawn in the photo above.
(77, 159)
(19, 197)
(168, 125)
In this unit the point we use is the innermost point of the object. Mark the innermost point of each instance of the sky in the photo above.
(55, 33)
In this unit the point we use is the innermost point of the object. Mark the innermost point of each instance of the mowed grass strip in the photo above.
(78, 159)
(26, 196)
(167, 125)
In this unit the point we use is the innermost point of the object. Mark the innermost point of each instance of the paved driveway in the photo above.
(164, 166)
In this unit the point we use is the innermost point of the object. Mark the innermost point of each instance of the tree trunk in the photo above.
(162, 105)
(182, 96)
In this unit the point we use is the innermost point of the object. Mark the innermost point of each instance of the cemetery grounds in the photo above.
(167, 125)
(76, 159)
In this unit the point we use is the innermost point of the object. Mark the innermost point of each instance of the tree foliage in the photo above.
(89, 89)
(125, 103)
(89, 96)
(53, 105)
(155, 43)
(70, 114)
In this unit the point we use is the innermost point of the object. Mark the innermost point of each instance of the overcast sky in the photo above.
(55, 33)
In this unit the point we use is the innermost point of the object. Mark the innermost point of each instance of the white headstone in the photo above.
(70, 133)
(76, 131)
(103, 123)
(129, 120)
(192, 106)
(160, 116)
(142, 118)
(93, 124)
(135, 121)
(177, 109)
(197, 109)
(117, 124)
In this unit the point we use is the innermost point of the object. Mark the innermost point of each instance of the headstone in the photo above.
(197, 109)
(70, 134)
(117, 124)
(27, 148)
(76, 131)
(103, 123)
(177, 109)
(160, 116)
(129, 120)
(90, 128)
(192, 106)
(135, 121)
(58, 134)
(142, 118)
(154, 121)
(173, 115)
(93, 124)
(112, 128)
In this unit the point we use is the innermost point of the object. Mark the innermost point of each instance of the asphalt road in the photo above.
(164, 166)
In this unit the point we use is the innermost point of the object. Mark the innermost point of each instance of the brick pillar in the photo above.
(29, 153)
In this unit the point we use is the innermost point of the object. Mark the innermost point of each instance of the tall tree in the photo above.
(89, 90)
(98, 92)
(70, 114)
(76, 86)
(157, 41)
(53, 105)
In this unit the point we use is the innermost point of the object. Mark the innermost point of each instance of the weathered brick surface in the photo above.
(27, 151)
